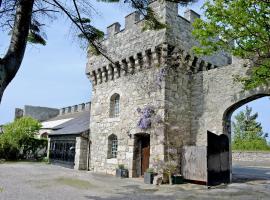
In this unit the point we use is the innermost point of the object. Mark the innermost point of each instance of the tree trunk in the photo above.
(12, 60)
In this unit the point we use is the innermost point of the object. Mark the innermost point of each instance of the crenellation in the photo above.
(191, 15)
(132, 19)
(160, 56)
(113, 29)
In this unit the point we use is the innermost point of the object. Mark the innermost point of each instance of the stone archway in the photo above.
(215, 96)
(227, 129)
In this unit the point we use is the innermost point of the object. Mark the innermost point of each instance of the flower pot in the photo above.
(148, 177)
(122, 173)
(177, 179)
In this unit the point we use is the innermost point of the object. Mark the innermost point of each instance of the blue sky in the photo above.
(53, 75)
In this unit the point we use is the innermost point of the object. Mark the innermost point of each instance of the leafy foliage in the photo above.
(248, 133)
(241, 27)
(18, 139)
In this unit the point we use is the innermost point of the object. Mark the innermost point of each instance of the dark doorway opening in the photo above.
(141, 154)
(62, 151)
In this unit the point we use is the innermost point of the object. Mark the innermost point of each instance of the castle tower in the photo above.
(141, 109)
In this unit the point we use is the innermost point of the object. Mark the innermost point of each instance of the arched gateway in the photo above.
(191, 99)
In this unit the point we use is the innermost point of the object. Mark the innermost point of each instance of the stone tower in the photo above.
(154, 70)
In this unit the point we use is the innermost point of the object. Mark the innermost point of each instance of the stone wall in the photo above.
(194, 96)
(40, 113)
(215, 96)
(251, 156)
(131, 42)
(81, 153)
(136, 91)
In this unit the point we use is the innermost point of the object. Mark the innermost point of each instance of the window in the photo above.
(112, 146)
(114, 105)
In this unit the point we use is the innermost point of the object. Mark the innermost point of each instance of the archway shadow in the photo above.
(243, 174)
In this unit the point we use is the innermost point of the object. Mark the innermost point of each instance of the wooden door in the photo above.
(145, 154)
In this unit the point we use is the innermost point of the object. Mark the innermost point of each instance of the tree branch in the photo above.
(81, 29)
(13, 58)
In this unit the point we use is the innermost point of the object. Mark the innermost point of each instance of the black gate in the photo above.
(62, 152)
(218, 166)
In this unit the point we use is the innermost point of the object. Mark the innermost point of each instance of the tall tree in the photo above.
(241, 27)
(24, 19)
(247, 132)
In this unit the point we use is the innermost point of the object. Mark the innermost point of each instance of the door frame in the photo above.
(137, 153)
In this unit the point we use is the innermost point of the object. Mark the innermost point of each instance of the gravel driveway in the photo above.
(37, 181)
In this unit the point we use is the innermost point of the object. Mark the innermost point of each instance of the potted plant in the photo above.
(177, 179)
(121, 171)
(149, 176)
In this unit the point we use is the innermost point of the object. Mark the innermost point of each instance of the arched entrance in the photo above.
(141, 154)
(227, 121)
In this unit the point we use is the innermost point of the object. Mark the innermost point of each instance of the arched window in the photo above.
(112, 146)
(115, 105)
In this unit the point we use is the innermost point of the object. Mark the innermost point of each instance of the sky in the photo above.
(54, 75)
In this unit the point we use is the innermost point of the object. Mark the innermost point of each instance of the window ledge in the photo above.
(112, 160)
(114, 119)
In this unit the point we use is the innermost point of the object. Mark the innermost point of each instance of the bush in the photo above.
(249, 145)
(18, 140)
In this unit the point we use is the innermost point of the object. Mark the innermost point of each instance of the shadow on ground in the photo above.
(134, 192)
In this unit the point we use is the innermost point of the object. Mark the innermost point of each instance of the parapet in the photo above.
(161, 55)
(75, 108)
(131, 49)
(191, 15)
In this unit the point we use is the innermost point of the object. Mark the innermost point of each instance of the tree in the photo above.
(242, 28)
(18, 138)
(24, 19)
(248, 133)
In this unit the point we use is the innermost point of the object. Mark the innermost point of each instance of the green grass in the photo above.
(76, 183)
(244, 150)
(1, 189)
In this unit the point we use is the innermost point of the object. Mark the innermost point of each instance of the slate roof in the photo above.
(78, 124)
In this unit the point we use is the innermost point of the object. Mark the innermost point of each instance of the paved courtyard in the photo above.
(32, 181)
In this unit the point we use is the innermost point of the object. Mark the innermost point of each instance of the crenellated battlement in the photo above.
(161, 55)
(75, 108)
(132, 49)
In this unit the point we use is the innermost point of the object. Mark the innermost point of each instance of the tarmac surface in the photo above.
(39, 181)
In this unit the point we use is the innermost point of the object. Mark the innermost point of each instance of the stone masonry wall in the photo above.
(123, 45)
(177, 112)
(138, 58)
(251, 156)
(215, 95)
(81, 153)
(136, 91)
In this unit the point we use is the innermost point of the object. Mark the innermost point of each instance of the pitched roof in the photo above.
(77, 123)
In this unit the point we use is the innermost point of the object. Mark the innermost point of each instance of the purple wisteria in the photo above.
(146, 115)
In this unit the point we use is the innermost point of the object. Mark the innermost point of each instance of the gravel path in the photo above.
(37, 181)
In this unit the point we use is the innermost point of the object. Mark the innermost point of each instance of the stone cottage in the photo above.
(67, 130)
(142, 103)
